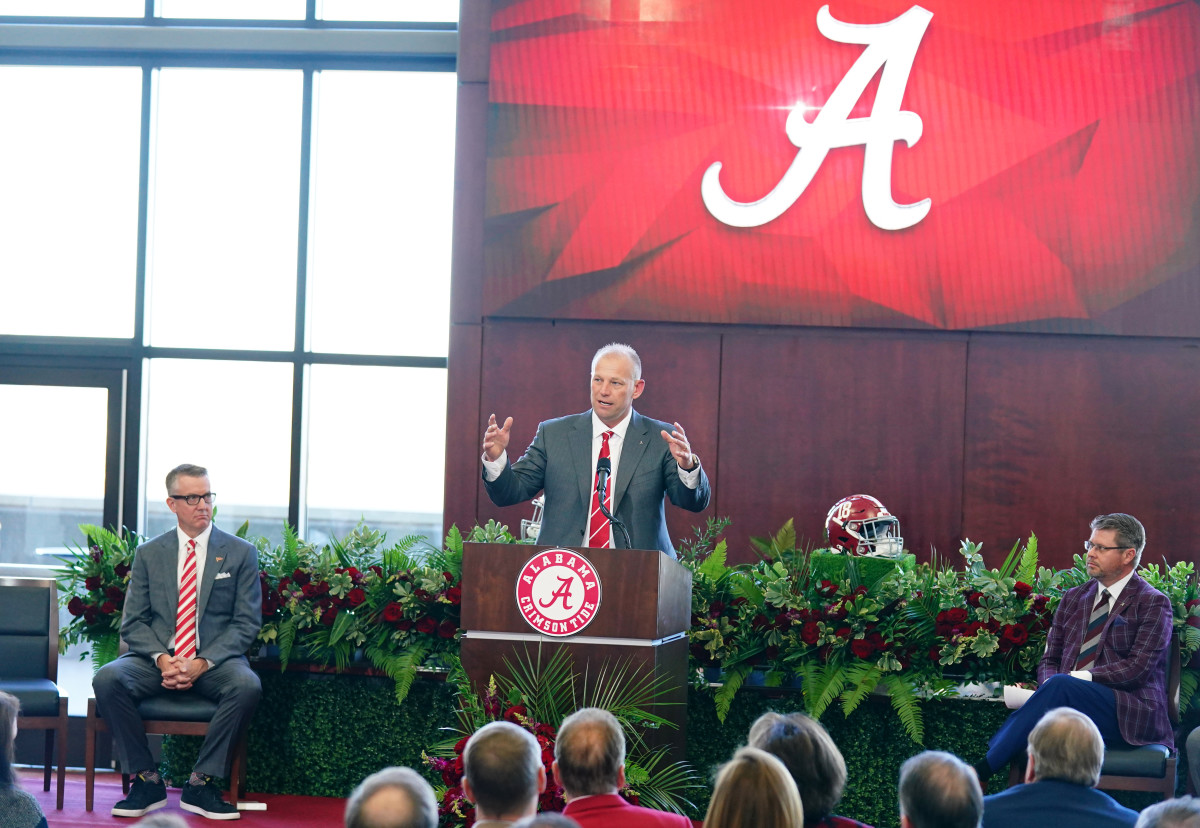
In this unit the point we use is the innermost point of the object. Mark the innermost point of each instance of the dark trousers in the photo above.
(1096, 701)
(121, 684)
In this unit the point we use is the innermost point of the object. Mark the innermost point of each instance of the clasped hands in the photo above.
(179, 673)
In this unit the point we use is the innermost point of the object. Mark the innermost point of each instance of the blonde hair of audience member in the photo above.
(392, 798)
(810, 755)
(1183, 812)
(939, 790)
(1065, 745)
(18, 809)
(10, 707)
(754, 789)
(161, 820)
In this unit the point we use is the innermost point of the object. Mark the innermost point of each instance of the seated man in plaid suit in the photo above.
(1106, 653)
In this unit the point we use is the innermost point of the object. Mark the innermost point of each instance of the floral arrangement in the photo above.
(398, 605)
(538, 696)
(92, 582)
(843, 626)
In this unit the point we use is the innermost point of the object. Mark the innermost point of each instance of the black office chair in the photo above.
(29, 664)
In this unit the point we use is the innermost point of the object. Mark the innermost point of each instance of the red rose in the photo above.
(511, 714)
(716, 609)
(301, 577)
(356, 596)
(448, 576)
(89, 615)
(827, 589)
(393, 612)
(454, 595)
(956, 615)
(1022, 590)
(114, 594)
(121, 570)
(328, 616)
(75, 606)
(810, 633)
(353, 573)
(404, 624)
(447, 629)
(876, 640)
(1039, 602)
(310, 590)
(461, 745)
(843, 632)
(1195, 602)
(1015, 635)
(760, 621)
(108, 608)
(935, 655)
(862, 648)
(283, 584)
(973, 598)
(93, 582)
(426, 625)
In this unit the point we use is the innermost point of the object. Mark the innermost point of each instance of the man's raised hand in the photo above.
(495, 438)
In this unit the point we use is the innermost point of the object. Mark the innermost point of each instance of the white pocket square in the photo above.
(221, 575)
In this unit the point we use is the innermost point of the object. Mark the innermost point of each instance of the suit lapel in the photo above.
(169, 559)
(214, 560)
(580, 440)
(634, 448)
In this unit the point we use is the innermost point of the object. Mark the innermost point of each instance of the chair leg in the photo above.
(48, 759)
(62, 752)
(89, 758)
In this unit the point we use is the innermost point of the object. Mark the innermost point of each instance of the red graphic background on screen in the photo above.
(1059, 148)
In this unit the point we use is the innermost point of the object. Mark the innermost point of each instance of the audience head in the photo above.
(549, 819)
(754, 788)
(1173, 813)
(810, 756)
(9, 708)
(939, 790)
(392, 798)
(589, 754)
(161, 819)
(1065, 745)
(503, 772)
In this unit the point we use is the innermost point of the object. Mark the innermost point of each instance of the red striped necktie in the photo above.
(185, 618)
(599, 529)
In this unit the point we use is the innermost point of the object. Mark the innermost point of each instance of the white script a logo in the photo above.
(891, 46)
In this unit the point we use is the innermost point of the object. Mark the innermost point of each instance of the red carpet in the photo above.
(282, 811)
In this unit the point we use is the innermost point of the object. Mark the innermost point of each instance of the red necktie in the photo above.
(599, 529)
(185, 618)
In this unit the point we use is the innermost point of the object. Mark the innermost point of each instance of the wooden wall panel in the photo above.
(809, 417)
(537, 371)
(1060, 429)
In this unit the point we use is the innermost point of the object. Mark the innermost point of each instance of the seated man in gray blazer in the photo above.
(192, 608)
(562, 461)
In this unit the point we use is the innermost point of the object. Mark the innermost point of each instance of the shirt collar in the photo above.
(201, 539)
(1115, 589)
(598, 426)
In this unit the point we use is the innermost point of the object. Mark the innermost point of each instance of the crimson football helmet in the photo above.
(861, 525)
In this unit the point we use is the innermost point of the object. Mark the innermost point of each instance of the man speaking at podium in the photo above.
(635, 460)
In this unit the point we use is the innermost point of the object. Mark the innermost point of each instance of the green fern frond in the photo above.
(733, 680)
(286, 640)
(714, 565)
(862, 678)
(1027, 571)
(906, 705)
(821, 685)
(1188, 679)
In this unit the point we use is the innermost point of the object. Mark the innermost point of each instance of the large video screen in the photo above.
(957, 164)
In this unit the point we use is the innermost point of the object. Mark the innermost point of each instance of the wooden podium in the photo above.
(643, 618)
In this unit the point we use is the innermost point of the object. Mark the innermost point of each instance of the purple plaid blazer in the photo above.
(1131, 657)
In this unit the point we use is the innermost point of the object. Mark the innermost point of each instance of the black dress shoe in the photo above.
(206, 801)
(143, 798)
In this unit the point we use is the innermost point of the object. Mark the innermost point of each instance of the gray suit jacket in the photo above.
(229, 611)
(559, 461)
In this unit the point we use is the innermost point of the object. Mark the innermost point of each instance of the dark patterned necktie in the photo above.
(1087, 653)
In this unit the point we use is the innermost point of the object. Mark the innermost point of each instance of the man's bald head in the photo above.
(392, 798)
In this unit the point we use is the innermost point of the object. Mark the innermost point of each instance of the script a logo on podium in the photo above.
(558, 592)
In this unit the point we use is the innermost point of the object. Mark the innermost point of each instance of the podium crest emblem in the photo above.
(558, 592)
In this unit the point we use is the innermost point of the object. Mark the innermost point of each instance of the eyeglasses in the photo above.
(192, 500)
(1088, 546)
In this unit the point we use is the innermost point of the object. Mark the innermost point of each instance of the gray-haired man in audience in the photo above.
(939, 790)
(1065, 753)
(1174, 813)
(503, 774)
(392, 798)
